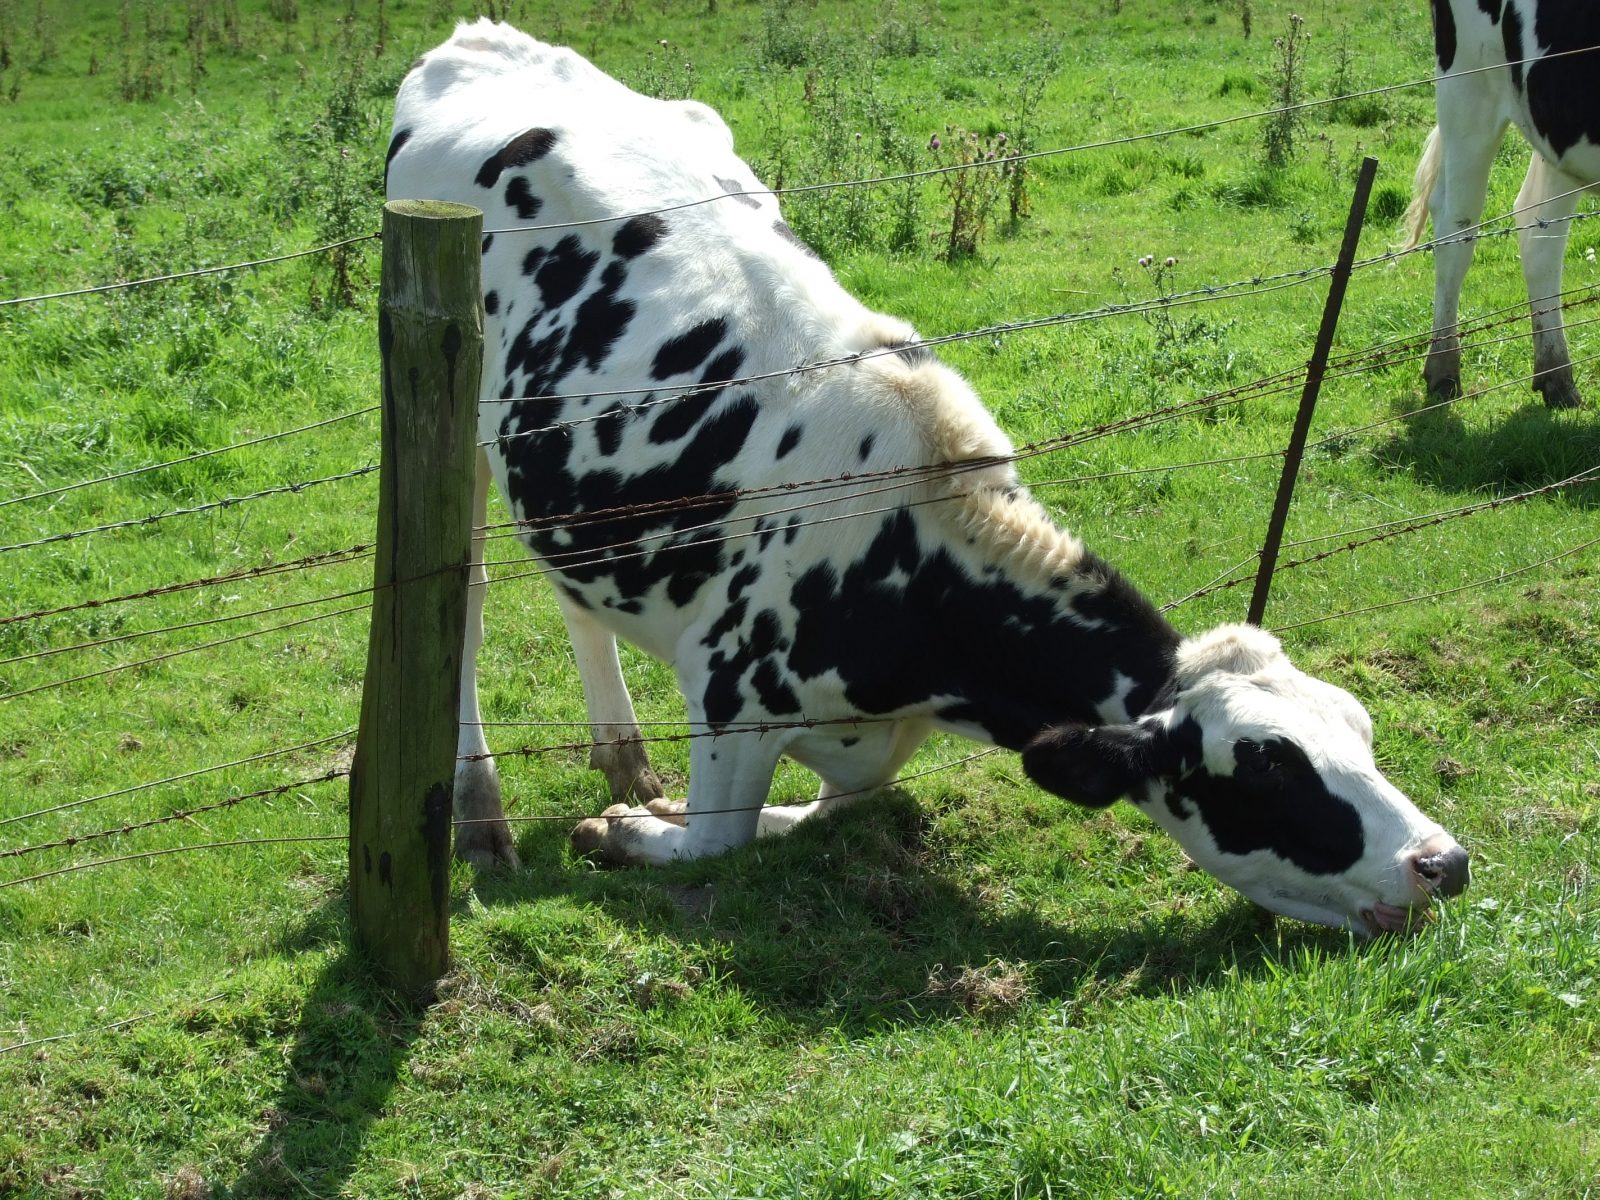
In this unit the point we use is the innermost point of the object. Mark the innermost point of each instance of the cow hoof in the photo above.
(672, 811)
(1561, 395)
(1448, 388)
(487, 847)
(597, 837)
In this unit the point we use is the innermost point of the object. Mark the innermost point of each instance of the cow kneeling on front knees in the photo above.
(839, 561)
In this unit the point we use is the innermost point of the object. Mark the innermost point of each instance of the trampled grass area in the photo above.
(969, 988)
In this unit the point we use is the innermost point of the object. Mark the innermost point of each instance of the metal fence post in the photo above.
(1315, 368)
(430, 335)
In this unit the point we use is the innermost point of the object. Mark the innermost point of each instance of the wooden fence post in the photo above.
(430, 334)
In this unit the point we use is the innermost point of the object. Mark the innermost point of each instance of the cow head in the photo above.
(1266, 778)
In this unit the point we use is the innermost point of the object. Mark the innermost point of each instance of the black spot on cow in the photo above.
(684, 353)
(1561, 96)
(562, 274)
(791, 530)
(741, 580)
(903, 623)
(789, 440)
(776, 696)
(1276, 801)
(781, 228)
(527, 147)
(683, 549)
(520, 197)
(608, 427)
(865, 448)
(683, 413)
(637, 235)
(848, 742)
(738, 191)
(1490, 8)
(488, 240)
(1511, 33)
(601, 319)
(491, 302)
(1444, 34)
(400, 138)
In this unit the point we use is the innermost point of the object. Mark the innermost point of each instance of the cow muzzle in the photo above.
(1437, 870)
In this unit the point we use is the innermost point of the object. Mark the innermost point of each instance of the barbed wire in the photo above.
(1390, 529)
(1002, 162)
(106, 1028)
(188, 458)
(238, 266)
(209, 506)
(182, 814)
(346, 735)
(326, 558)
(121, 858)
(155, 658)
(1488, 581)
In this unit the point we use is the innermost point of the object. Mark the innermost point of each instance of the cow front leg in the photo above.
(617, 752)
(729, 777)
(1546, 203)
(850, 780)
(482, 836)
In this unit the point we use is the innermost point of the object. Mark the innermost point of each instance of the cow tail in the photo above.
(1416, 218)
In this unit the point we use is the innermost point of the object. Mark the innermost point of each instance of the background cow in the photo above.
(1555, 103)
(671, 490)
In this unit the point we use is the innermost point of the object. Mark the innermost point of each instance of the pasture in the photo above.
(965, 988)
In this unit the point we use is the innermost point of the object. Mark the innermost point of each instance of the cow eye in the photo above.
(1260, 760)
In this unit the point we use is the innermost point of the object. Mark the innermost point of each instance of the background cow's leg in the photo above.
(482, 836)
(1547, 195)
(729, 777)
(617, 753)
(831, 796)
(1470, 132)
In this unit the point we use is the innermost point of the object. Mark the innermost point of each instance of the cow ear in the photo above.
(1093, 766)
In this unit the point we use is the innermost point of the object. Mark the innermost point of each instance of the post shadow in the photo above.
(351, 1043)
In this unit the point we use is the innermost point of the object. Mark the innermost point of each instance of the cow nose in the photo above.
(1442, 870)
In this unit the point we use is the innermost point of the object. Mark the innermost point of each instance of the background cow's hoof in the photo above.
(1448, 388)
(673, 811)
(486, 846)
(1562, 393)
(597, 837)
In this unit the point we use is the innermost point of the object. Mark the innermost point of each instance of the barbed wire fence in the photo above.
(797, 497)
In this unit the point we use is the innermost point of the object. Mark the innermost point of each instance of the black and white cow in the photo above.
(1554, 101)
(919, 600)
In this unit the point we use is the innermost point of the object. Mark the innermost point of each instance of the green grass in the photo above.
(968, 989)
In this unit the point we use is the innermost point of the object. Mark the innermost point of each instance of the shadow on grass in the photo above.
(851, 924)
(1528, 449)
(347, 1052)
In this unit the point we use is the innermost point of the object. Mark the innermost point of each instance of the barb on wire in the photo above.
(239, 266)
(346, 735)
(188, 458)
(327, 558)
(209, 506)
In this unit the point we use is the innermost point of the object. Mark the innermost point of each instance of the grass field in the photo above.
(968, 989)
